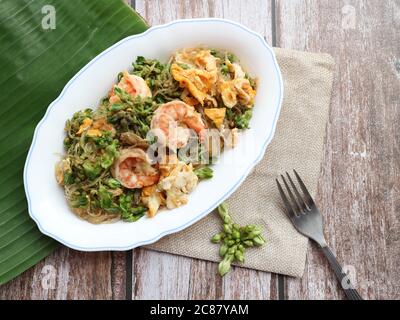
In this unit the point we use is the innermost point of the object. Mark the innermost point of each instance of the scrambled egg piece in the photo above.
(198, 82)
(95, 128)
(102, 124)
(197, 58)
(153, 199)
(177, 180)
(237, 90)
(196, 71)
(86, 123)
(188, 99)
(217, 115)
(93, 133)
(178, 184)
(236, 69)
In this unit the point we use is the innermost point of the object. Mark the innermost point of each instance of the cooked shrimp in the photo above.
(173, 119)
(133, 85)
(133, 169)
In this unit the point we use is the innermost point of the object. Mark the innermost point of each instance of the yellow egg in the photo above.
(94, 133)
(217, 115)
(86, 123)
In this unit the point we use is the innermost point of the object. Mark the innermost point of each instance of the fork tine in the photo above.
(297, 209)
(290, 212)
(300, 199)
(307, 195)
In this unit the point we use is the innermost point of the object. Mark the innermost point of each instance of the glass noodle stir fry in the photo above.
(125, 159)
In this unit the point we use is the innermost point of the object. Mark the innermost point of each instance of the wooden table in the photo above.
(359, 186)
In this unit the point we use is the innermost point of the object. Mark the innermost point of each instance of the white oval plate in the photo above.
(46, 202)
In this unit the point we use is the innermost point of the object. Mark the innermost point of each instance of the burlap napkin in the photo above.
(298, 143)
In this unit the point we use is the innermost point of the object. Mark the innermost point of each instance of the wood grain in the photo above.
(165, 276)
(160, 275)
(255, 14)
(359, 186)
(70, 274)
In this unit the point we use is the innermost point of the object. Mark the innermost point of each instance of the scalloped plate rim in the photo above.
(212, 207)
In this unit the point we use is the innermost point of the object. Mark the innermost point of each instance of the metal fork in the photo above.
(306, 218)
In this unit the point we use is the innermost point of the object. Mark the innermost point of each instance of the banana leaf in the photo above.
(43, 43)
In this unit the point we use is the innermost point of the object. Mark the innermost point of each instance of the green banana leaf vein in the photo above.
(43, 44)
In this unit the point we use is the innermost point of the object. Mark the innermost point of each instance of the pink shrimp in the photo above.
(133, 85)
(133, 169)
(172, 120)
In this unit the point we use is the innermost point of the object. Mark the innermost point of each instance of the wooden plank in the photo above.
(245, 284)
(239, 284)
(160, 275)
(359, 190)
(70, 274)
(165, 276)
(255, 14)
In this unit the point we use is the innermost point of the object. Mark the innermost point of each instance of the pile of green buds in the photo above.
(234, 240)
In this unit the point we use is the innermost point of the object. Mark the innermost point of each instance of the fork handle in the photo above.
(351, 293)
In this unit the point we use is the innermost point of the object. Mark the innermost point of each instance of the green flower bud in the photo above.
(235, 239)
(235, 234)
(252, 234)
(248, 243)
(239, 256)
(232, 250)
(224, 267)
(216, 238)
(227, 219)
(227, 228)
(223, 210)
(258, 241)
(250, 227)
(223, 249)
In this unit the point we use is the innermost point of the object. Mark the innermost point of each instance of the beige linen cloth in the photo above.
(298, 143)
